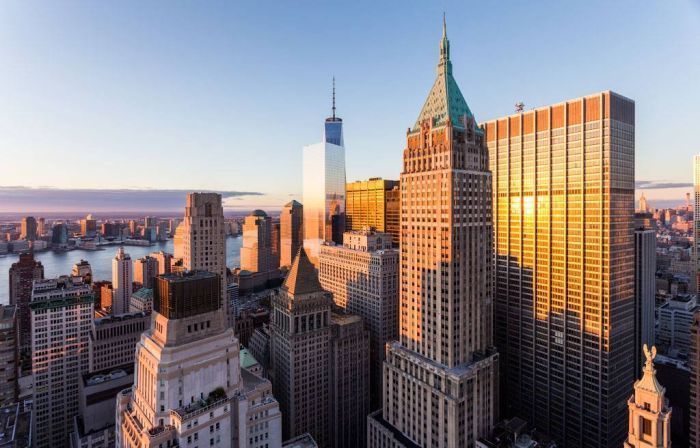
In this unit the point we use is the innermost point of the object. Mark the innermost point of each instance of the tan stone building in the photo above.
(188, 389)
(363, 276)
(200, 239)
(563, 194)
(649, 412)
(373, 203)
(113, 339)
(441, 377)
(291, 232)
(319, 362)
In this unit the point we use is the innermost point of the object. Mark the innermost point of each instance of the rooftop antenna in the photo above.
(334, 98)
(519, 107)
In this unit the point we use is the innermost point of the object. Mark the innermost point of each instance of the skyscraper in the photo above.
(9, 356)
(319, 361)
(373, 203)
(82, 269)
(563, 194)
(202, 239)
(122, 278)
(696, 217)
(165, 261)
(29, 228)
(188, 389)
(291, 232)
(363, 276)
(40, 227)
(22, 276)
(644, 292)
(145, 271)
(441, 377)
(61, 314)
(694, 362)
(649, 412)
(324, 187)
(643, 207)
(59, 234)
(256, 252)
(88, 226)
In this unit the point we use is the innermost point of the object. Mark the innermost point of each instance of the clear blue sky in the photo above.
(223, 95)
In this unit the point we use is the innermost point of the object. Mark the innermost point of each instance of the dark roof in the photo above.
(302, 277)
(293, 203)
(258, 212)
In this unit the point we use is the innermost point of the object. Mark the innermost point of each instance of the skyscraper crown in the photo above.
(445, 100)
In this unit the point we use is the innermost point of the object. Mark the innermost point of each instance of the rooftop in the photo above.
(302, 277)
(246, 359)
(302, 441)
(15, 425)
(183, 276)
(119, 318)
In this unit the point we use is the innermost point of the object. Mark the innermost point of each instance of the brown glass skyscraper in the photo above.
(373, 203)
(564, 308)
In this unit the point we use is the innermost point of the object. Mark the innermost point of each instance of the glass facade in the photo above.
(373, 203)
(563, 196)
(323, 196)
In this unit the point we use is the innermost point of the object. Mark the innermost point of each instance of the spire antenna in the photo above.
(444, 25)
(334, 98)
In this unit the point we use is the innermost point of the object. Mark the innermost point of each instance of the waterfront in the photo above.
(59, 263)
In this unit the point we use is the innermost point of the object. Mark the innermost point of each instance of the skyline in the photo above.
(113, 92)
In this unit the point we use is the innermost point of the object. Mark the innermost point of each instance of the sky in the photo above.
(161, 96)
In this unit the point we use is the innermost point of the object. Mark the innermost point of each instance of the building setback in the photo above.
(563, 194)
(188, 386)
(441, 377)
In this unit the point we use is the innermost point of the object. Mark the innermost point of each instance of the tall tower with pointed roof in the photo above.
(649, 412)
(441, 377)
(319, 360)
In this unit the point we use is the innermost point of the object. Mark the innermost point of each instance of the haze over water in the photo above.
(60, 263)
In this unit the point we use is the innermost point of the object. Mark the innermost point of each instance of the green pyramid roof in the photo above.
(445, 100)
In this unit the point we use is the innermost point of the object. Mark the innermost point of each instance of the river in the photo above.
(59, 263)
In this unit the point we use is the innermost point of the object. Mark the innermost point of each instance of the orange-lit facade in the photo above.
(563, 195)
(441, 377)
(373, 203)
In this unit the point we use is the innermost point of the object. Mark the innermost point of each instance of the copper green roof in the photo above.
(445, 100)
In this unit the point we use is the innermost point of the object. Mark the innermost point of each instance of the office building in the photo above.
(141, 301)
(275, 235)
(324, 188)
(40, 227)
(9, 355)
(202, 237)
(122, 278)
(29, 229)
(373, 203)
(145, 271)
(61, 316)
(113, 339)
(696, 217)
(349, 380)
(644, 292)
(189, 389)
(441, 377)
(675, 319)
(649, 413)
(643, 206)
(82, 269)
(694, 402)
(363, 276)
(22, 276)
(165, 261)
(291, 232)
(319, 362)
(88, 226)
(256, 252)
(563, 194)
(93, 427)
(59, 234)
